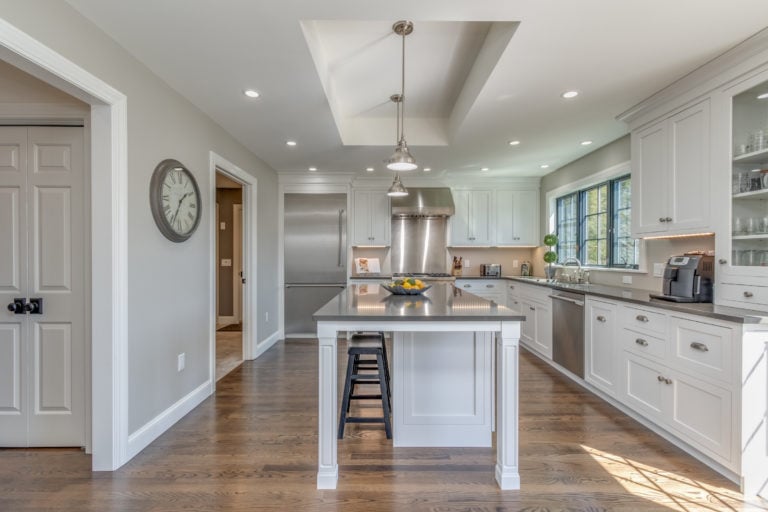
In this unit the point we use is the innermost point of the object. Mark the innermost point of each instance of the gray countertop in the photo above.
(643, 298)
(442, 302)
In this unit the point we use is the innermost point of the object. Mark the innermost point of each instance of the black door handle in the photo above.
(34, 306)
(17, 306)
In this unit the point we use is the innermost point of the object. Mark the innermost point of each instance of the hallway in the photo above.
(254, 447)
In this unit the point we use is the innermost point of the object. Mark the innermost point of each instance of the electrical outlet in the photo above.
(181, 361)
(626, 279)
(466, 263)
(266, 316)
(515, 263)
(658, 269)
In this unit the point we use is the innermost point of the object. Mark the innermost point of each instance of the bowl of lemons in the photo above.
(407, 286)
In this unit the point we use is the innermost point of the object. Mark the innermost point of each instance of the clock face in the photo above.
(175, 200)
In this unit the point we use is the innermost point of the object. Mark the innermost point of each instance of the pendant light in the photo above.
(397, 189)
(401, 159)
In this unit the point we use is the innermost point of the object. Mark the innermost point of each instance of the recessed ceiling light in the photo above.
(763, 96)
(251, 93)
(369, 169)
(484, 169)
(290, 143)
(514, 142)
(544, 166)
(313, 169)
(586, 142)
(427, 169)
(570, 94)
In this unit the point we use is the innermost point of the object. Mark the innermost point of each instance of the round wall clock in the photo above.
(175, 200)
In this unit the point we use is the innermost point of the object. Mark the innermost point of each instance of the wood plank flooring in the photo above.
(253, 447)
(229, 352)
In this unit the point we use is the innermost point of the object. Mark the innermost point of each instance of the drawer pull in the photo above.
(532, 308)
(489, 286)
(722, 261)
(467, 285)
(667, 381)
(699, 346)
(668, 219)
(641, 342)
(662, 219)
(748, 294)
(642, 318)
(663, 379)
(511, 287)
(601, 318)
(660, 378)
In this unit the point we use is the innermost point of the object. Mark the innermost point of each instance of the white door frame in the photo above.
(249, 227)
(108, 235)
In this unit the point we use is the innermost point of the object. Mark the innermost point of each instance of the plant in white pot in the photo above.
(550, 256)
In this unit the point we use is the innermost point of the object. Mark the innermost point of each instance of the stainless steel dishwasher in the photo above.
(568, 331)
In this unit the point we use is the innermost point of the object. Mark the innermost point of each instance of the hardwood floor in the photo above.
(229, 352)
(253, 447)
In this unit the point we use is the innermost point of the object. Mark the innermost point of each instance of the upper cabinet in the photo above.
(471, 224)
(671, 162)
(371, 218)
(504, 217)
(517, 216)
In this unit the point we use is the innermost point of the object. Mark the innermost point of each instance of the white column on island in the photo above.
(328, 465)
(507, 387)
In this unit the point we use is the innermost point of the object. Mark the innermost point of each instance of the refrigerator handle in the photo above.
(341, 238)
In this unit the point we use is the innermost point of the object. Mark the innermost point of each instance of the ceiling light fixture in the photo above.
(313, 169)
(397, 189)
(544, 166)
(570, 94)
(484, 169)
(251, 93)
(290, 143)
(401, 159)
(427, 169)
(586, 142)
(514, 142)
(763, 96)
(369, 169)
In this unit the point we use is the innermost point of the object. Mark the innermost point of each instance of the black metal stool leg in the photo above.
(384, 395)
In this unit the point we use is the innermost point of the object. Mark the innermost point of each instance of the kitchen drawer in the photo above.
(481, 285)
(643, 344)
(746, 294)
(702, 349)
(644, 320)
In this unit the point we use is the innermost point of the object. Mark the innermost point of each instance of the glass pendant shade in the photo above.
(397, 189)
(401, 159)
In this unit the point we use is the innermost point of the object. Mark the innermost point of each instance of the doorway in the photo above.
(229, 274)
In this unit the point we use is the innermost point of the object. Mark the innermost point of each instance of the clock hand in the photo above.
(178, 207)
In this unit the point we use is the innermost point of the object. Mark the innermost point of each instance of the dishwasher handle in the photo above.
(579, 303)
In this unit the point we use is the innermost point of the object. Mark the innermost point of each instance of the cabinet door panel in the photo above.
(361, 233)
(460, 219)
(528, 327)
(601, 345)
(381, 218)
(642, 390)
(690, 173)
(649, 179)
(506, 221)
(480, 217)
(526, 217)
(543, 339)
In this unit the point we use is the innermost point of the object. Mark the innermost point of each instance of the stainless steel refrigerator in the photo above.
(315, 228)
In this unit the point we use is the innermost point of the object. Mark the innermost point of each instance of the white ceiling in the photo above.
(478, 73)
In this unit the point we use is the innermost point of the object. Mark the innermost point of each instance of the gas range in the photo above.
(428, 277)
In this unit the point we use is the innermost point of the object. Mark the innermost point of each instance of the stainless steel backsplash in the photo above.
(419, 244)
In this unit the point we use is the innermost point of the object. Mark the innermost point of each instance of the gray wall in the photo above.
(657, 251)
(168, 295)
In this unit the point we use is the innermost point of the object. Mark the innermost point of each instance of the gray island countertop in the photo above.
(442, 302)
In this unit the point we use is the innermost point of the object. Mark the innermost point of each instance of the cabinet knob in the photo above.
(489, 286)
(532, 308)
(467, 285)
(660, 378)
(748, 294)
(641, 342)
(699, 346)
(667, 381)
(668, 219)
(511, 287)
(642, 318)
(722, 261)
(662, 219)
(601, 318)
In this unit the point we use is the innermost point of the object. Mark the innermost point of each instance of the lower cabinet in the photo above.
(489, 289)
(600, 345)
(699, 412)
(536, 329)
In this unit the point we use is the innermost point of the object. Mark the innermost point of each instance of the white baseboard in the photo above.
(166, 419)
(266, 344)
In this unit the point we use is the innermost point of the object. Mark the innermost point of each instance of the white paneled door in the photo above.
(42, 353)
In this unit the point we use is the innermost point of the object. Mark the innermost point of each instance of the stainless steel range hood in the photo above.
(424, 202)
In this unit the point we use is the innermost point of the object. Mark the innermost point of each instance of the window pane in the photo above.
(626, 251)
(567, 226)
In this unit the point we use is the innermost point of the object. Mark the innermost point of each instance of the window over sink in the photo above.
(593, 224)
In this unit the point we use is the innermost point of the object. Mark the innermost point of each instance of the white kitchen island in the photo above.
(447, 327)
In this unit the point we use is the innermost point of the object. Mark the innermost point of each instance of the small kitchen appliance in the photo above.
(526, 270)
(688, 278)
(490, 270)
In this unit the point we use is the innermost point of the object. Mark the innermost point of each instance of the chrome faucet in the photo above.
(579, 277)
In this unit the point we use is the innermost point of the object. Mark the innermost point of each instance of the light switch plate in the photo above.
(515, 263)
(466, 263)
(658, 270)
(226, 263)
(223, 226)
(181, 361)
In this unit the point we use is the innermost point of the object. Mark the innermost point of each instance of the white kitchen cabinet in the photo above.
(516, 217)
(371, 218)
(536, 329)
(513, 296)
(671, 161)
(601, 348)
(489, 289)
(471, 224)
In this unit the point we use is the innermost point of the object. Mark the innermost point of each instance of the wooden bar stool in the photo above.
(366, 345)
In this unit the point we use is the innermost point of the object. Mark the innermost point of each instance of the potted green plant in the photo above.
(550, 256)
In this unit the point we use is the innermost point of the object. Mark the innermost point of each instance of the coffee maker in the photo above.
(688, 278)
